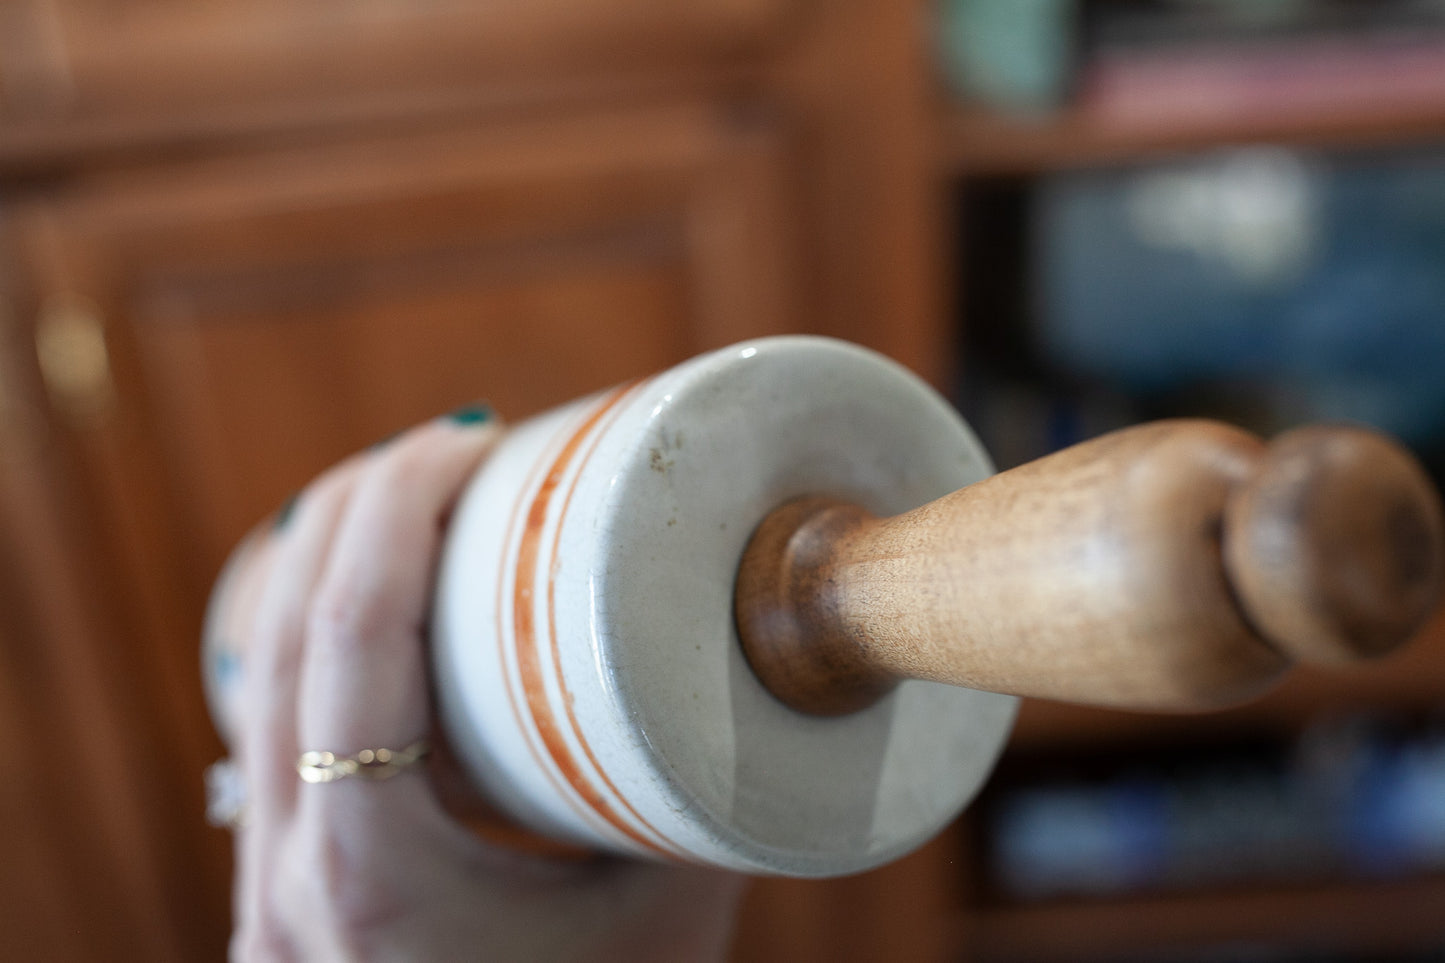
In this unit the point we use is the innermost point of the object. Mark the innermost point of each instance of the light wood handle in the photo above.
(1178, 565)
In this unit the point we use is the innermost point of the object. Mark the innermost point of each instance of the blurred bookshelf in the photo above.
(1137, 79)
(1215, 208)
(1054, 84)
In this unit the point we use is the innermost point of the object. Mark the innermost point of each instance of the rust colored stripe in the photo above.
(557, 655)
(533, 749)
(528, 662)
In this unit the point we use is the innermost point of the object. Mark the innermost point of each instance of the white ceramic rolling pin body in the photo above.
(622, 572)
(587, 663)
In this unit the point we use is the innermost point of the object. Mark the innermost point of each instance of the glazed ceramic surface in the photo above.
(588, 668)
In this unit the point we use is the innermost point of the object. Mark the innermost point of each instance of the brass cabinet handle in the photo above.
(74, 359)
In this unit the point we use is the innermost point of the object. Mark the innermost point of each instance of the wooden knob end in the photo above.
(1336, 546)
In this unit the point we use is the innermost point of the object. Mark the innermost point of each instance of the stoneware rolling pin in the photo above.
(768, 610)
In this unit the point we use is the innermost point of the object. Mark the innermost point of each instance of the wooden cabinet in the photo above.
(211, 335)
(85, 813)
(265, 314)
(240, 242)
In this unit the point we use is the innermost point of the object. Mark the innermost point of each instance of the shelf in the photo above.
(1364, 918)
(1410, 680)
(975, 142)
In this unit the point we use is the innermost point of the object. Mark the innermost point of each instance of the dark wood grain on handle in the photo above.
(1179, 565)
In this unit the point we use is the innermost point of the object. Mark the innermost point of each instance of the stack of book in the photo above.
(1181, 62)
(1230, 63)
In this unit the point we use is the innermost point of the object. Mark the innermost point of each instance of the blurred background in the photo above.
(239, 241)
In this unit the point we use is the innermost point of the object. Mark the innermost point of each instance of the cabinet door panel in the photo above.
(250, 404)
(267, 317)
(264, 316)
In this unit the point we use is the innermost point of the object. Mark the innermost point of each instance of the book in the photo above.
(1261, 82)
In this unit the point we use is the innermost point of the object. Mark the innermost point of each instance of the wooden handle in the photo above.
(1176, 565)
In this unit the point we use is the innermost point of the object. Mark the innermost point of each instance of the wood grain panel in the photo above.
(267, 313)
(90, 792)
(91, 61)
